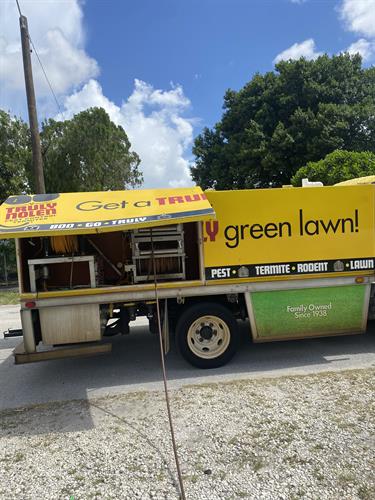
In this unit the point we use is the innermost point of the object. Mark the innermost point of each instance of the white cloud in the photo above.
(304, 49)
(56, 29)
(154, 124)
(153, 118)
(365, 48)
(90, 95)
(298, 1)
(359, 16)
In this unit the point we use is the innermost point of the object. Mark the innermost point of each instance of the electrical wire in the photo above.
(180, 481)
(71, 272)
(46, 77)
(18, 6)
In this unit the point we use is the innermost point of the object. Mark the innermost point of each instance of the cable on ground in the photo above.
(162, 358)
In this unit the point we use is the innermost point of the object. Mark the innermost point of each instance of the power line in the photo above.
(18, 6)
(41, 65)
(46, 77)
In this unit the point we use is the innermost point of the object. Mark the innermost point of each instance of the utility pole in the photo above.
(31, 104)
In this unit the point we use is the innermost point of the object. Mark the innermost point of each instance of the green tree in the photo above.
(15, 162)
(88, 153)
(15, 155)
(284, 119)
(8, 265)
(337, 167)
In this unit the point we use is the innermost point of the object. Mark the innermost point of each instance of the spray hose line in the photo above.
(162, 359)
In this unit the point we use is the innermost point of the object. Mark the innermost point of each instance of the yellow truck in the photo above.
(295, 262)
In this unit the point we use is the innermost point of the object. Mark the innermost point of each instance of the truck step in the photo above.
(21, 356)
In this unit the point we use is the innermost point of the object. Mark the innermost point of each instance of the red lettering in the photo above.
(181, 199)
(212, 228)
(195, 197)
(175, 199)
(25, 211)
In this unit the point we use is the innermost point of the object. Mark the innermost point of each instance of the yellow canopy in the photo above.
(79, 213)
(369, 179)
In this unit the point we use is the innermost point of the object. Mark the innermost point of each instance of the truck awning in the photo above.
(369, 179)
(24, 216)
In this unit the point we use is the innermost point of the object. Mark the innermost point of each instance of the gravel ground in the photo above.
(283, 438)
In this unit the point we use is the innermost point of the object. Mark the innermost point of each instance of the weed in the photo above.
(366, 492)
(347, 477)
(258, 464)
(9, 298)
(317, 473)
(298, 494)
(18, 457)
(318, 447)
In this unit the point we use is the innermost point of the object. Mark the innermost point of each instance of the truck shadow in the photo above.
(134, 365)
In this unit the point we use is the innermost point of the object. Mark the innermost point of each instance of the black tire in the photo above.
(194, 348)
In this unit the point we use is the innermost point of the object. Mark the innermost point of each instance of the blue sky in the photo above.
(161, 67)
(206, 46)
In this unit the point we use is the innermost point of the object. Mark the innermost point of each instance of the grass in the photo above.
(366, 492)
(8, 298)
(18, 457)
(258, 464)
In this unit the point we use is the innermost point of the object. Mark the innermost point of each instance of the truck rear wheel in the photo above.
(207, 335)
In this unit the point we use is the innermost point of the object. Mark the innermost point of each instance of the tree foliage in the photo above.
(337, 167)
(8, 264)
(282, 120)
(88, 153)
(15, 161)
(15, 155)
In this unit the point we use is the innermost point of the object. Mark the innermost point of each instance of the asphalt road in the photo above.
(134, 365)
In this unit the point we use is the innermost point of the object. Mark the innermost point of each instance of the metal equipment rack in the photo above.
(38, 268)
(168, 250)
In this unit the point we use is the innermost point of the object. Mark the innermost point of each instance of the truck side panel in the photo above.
(288, 233)
(288, 314)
